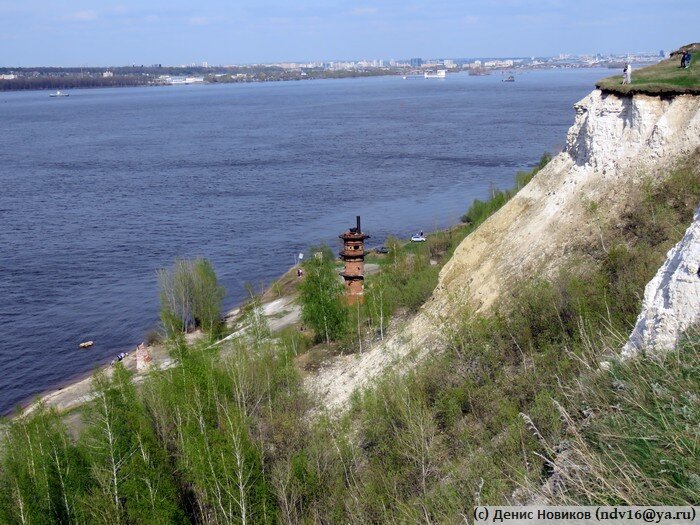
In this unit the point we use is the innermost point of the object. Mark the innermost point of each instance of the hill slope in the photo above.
(616, 146)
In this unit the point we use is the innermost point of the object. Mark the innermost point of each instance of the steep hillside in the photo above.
(513, 405)
(614, 144)
(616, 147)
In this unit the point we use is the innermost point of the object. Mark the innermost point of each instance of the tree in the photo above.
(378, 301)
(41, 472)
(131, 479)
(322, 304)
(190, 297)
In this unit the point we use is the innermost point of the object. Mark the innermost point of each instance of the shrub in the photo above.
(190, 297)
(321, 296)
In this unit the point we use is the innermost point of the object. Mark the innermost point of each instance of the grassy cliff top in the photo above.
(664, 78)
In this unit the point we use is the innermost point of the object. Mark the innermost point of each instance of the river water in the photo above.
(101, 188)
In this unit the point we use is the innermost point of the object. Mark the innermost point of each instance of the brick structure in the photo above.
(353, 255)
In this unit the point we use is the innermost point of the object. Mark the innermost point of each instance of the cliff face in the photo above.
(613, 145)
(671, 299)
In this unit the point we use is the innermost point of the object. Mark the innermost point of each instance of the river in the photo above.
(101, 188)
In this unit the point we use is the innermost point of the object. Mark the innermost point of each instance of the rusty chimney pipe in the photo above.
(359, 230)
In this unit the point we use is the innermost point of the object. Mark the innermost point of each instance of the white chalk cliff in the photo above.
(615, 143)
(671, 299)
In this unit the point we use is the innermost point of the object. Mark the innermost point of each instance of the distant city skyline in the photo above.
(84, 32)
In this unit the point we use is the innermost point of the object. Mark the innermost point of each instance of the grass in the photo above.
(665, 78)
(515, 398)
(640, 437)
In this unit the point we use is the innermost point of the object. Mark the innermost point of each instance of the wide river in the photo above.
(101, 188)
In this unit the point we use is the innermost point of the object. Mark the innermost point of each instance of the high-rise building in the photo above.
(416, 62)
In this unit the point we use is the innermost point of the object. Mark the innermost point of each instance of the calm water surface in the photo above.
(100, 189)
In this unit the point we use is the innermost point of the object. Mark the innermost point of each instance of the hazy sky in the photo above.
(82, 32)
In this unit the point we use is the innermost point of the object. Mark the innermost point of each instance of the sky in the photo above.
(173, 32)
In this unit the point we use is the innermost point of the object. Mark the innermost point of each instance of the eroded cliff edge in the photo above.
(616, 144)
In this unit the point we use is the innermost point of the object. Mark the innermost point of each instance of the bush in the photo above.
(153, 337)
(190, 297)
(480, 210)
(321, 297)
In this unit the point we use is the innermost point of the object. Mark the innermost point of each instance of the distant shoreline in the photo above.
(66, 82)
(60, 78)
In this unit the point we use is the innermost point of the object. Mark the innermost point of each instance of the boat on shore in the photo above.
(59, 94)
(511, 78)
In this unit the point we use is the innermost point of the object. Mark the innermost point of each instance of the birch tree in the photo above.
(321, 297)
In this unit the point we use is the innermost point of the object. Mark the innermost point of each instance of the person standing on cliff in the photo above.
(684, 58)
(688, 58)
(628, 74)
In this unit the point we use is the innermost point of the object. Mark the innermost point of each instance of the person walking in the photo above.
(628, 74)
(684, 57)
(688, 58)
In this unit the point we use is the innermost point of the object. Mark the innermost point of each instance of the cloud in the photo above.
(364, 11)
(198, 21)
(83, 16)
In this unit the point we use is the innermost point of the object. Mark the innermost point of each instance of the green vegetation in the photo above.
(481, 210)
(226, 435)
(321, 296)
(664, 78)
(641, 441)
(190, 297)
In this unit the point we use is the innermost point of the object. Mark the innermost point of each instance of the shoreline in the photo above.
(73, 392)
(267, 81)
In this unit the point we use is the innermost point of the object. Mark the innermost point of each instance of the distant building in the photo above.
(8, 77)
(174, 81)
(416, 62)
(107, 74)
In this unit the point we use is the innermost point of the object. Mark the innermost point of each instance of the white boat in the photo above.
(440, 73)
(59, 94)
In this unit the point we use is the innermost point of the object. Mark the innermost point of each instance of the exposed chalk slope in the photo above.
(671, 299)
(614, 143)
